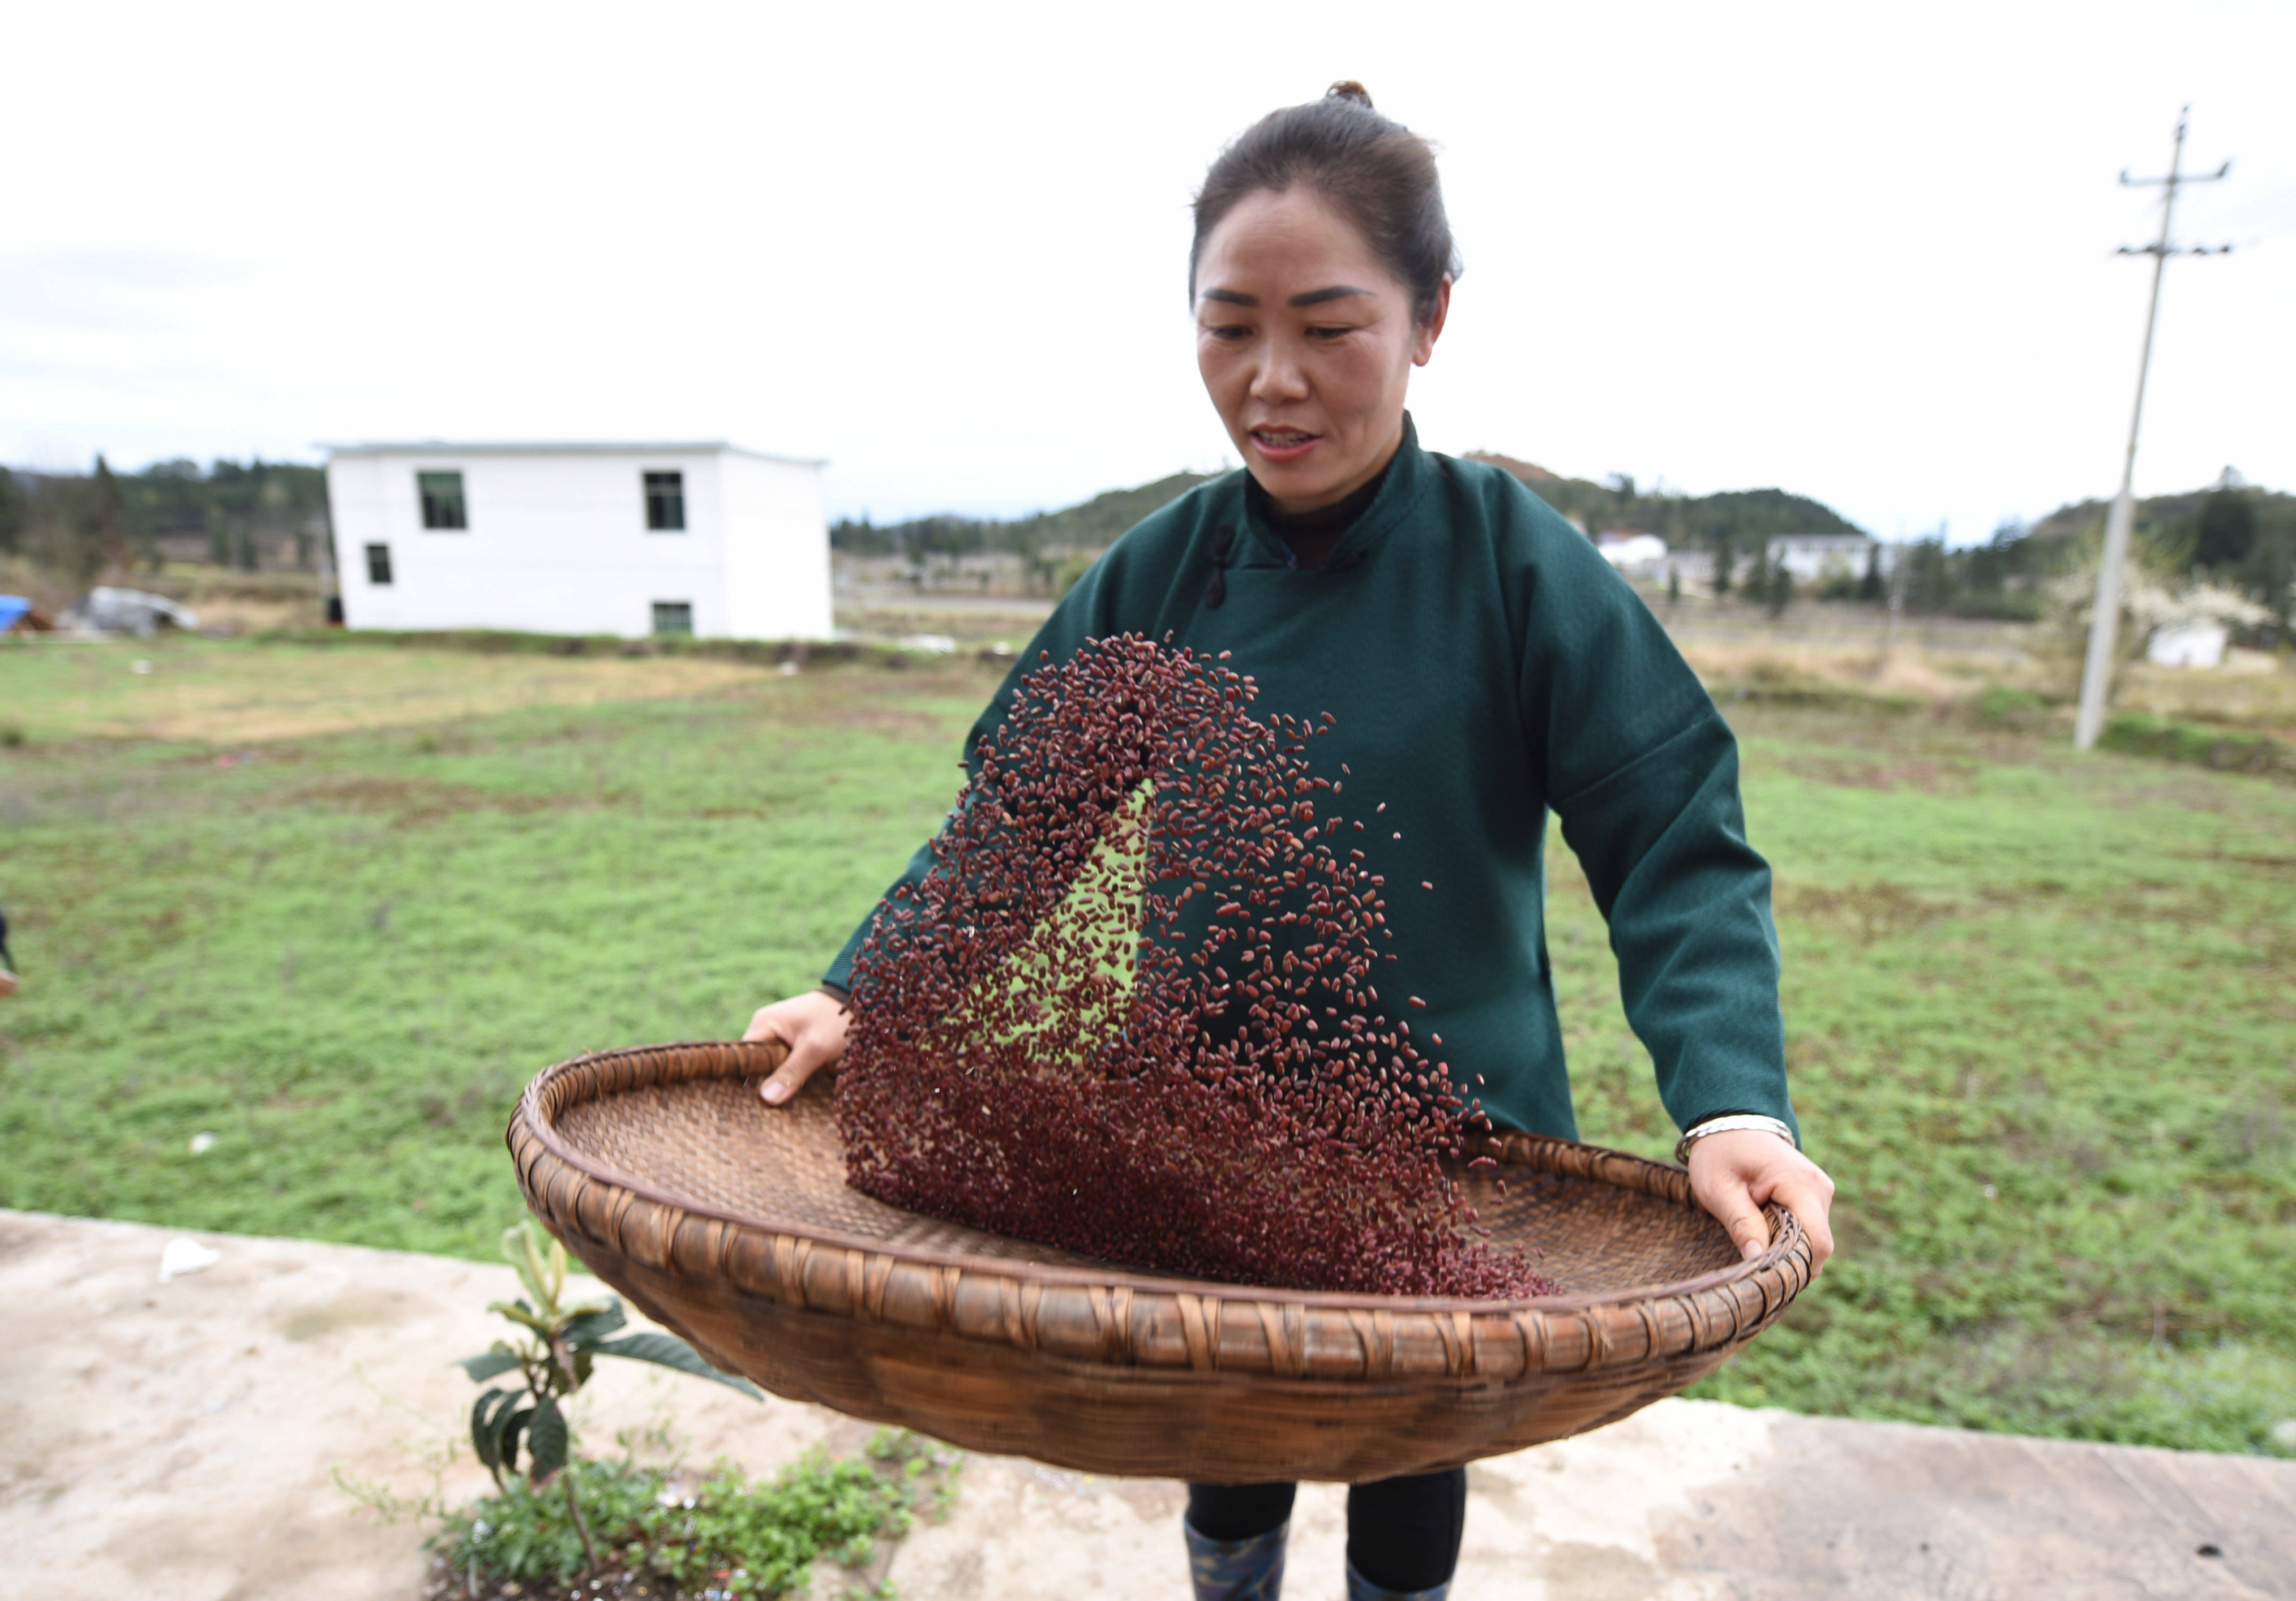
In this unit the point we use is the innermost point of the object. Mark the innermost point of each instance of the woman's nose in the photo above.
(1279, 375)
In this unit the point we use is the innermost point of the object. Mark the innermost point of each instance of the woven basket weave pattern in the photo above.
(731, 1222)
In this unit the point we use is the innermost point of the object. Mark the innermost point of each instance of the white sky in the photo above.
(1862, 253)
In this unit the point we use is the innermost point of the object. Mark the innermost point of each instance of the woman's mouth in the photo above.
(1283, 444)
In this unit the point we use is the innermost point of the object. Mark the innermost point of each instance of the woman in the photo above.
(1484, 665)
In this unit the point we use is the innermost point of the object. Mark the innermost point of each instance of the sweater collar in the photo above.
(1330, 521)
(1403, 480)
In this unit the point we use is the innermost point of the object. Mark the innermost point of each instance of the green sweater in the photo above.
(1484, 665)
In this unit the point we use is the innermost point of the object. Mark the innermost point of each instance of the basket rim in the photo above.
(1622, 1169)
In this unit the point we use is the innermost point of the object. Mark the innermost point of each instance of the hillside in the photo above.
(1088, 524)
(1745, 518)
(2237, 534)
(2175, 518)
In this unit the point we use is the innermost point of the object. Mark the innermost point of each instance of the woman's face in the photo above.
(1306, 343)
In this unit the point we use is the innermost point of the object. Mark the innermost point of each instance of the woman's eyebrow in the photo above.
(1313, 296)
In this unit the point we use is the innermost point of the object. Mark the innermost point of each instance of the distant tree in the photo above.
(1038, 570)
(1778, 589)
(1931, 582)
(1673, 586)
(11, 513)
(1985, 569)
(106, 520)
(1723, 557)
(74, 527)
(2268, 573)
(862, 538)
(2227, 529)
(233, 493)
(1619, 514)
(1870, 589)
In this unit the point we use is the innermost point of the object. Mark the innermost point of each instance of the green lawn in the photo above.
(2043, 1010)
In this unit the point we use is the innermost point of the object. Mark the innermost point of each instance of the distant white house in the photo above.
(1812, 558)
(1635, 553)
(620, 539)
(2193, 644)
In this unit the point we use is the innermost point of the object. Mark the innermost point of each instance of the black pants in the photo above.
(1403, 1534)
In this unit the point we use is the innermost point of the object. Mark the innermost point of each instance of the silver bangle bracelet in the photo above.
(1731, 1124)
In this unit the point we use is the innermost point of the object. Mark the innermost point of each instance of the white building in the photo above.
(2189, 645)
(1636, 554)
(621, 539)
(1813, 557)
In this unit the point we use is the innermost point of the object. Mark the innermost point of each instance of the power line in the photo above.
(2104, 625)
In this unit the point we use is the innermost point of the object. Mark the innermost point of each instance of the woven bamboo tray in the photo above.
(730, 1222)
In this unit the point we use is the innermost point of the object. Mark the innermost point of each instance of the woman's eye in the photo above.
(1328, 333)
(1227, 333)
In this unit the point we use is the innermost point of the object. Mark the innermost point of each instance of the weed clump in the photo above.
(2005, 706)
(724, 1534)
(2223, 749)
(1133, 1011)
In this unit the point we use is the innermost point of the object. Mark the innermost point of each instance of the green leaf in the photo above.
(520, 1245)
(588, 1327)
(519, 1311)
(485, 1367)
(668, 1351)
(486, 1427)
(546, 1440)
(511, 1424)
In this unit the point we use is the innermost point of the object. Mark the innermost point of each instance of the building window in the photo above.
(665, 493)
(378, 564)
(442, 500)
(672, 616)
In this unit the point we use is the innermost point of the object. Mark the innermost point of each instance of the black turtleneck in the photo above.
(1311, 535)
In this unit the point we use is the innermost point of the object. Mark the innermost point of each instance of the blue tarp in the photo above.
(12, 606)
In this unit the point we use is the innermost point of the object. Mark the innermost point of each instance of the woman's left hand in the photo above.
(1736, 1174)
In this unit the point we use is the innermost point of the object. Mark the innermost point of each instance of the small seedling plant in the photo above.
(552, 1359)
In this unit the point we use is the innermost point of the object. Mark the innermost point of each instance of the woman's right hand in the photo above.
(812, 1026)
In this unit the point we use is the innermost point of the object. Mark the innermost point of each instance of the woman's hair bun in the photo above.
(1377, 172)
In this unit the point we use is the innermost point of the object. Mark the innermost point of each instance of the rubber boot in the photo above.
(1237, 1570)
(1360, 1588)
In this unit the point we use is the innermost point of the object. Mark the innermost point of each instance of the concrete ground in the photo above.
(179, 1441)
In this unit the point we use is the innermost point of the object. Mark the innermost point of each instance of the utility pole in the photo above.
(1897, 594)
(2096, 672)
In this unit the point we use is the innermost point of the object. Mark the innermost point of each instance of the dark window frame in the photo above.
(674, 617)
(378, 566)
(445, 510)
(665, 499)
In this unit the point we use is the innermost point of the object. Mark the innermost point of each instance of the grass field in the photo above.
(333, 906)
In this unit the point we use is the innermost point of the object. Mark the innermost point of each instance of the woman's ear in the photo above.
(1432, 329)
